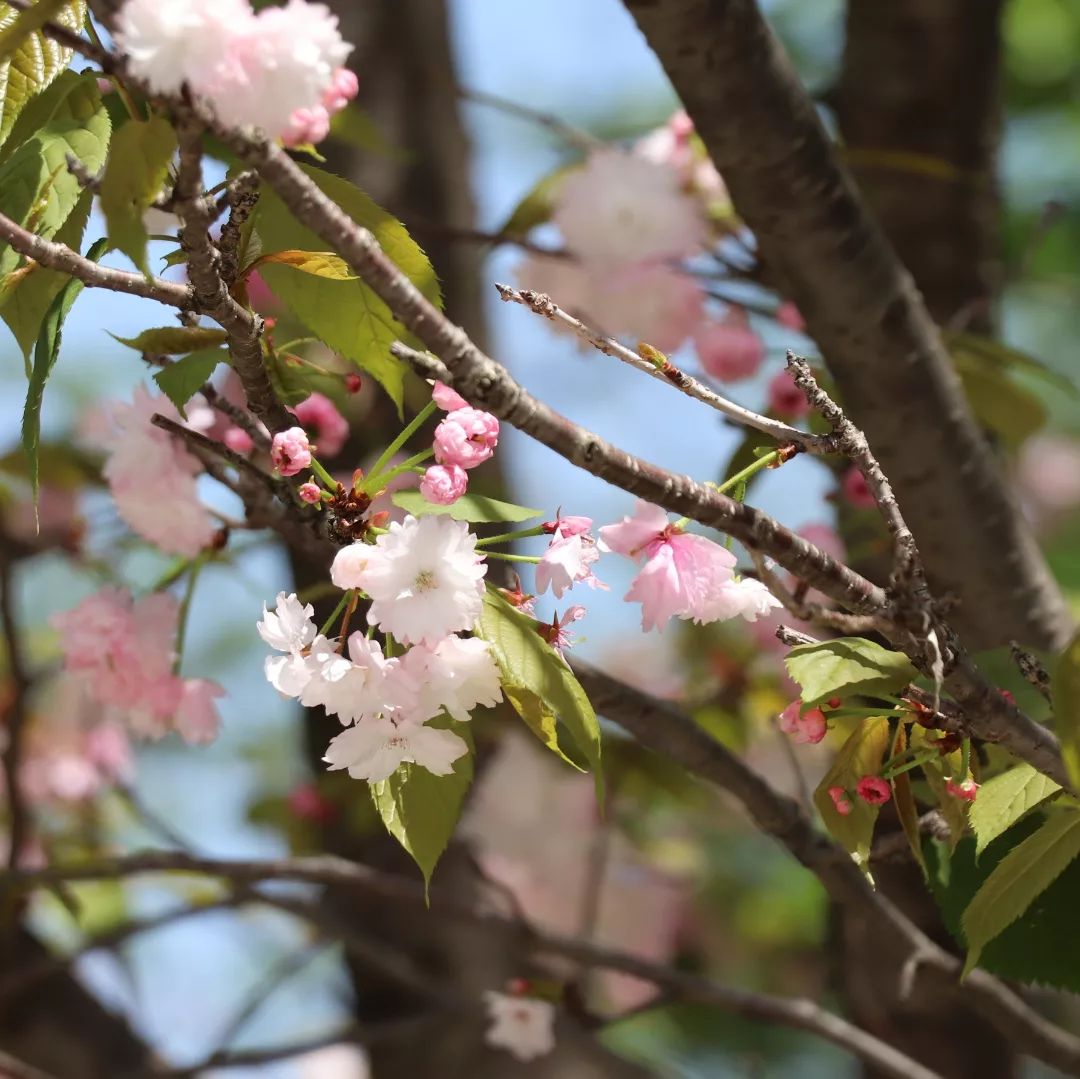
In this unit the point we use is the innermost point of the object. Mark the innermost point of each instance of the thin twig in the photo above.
(575, 136)
(541, 304)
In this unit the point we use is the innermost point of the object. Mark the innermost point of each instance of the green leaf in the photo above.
(997, 354)
(25, 294)
(1065, 691)
(355, 127)
(183, 378)
(1021, 876)
(317, 263)
(46, 353)
(345, 315)
(1000, 403)
(847, 666)
(859, 756)
(137, 169)
(1003, 800)
(538, 718)
(420, 809)
(59, 465)
(538, 204)
(175, 340)
(35, 61)
(36, 189)
(527, 661)
(479, 509)
(1042, 945)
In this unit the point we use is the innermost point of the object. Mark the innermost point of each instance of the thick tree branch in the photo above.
(861, 306)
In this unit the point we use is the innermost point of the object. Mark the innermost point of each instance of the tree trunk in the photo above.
(919, 112)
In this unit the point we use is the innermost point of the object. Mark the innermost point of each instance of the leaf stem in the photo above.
(325, 629)
(513, 557)
(417, 422)
(375, 482)
(197, 564)
(509, 537)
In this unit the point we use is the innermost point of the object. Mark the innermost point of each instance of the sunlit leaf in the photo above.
(1065, 690)
(846, 666)
(174, 340)
(1005, 799)
(137, 169)
(183, 378)
(35, 61)
(1021, 876)
(317, 263)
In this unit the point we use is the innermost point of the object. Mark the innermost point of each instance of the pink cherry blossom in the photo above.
(729, 349)
(152, 477)
(745, 596)
(619, 209)
(788, 316)
(330, 426)
(197, 720)
(556, 632)
(682, 572)
(344, 86)
(466, 438)
(290, 451)
(449, 400)
(873, 790)
(375, 749)
(786, 399)
(841, 800)
(444, 484)
(455, 676)
(966, 790)
(523, 1026)
(307, 126)
(568, 526)
(856, 490)
(803, 727)
(348, 565)
(238, 440)
(568, 560)
(310, 492)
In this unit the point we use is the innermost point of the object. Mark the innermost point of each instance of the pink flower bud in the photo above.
(290, 451)
(786, 399)
(803, 727)
(307, 126)
(788, 315)
(310, 492)
(447, 399)
(348, 566)
(466, 438)
(856, 490)
(444, 484)
(344, 86)
(238, 440)
(729, 350)
(965, 790)
(1007, 695)
(353, 382)
(873, 790)
(841, 800)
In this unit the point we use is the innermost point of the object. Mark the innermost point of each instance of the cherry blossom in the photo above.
(786, 399)
(310, 492)
(729, 349)
(424, 577)
(873, 790)
(556, 632)
(523, 1026)
(377, 747)
(807, 727)
(197, 720)
(152, 477)
(568, 526)
(331, 427)
(568, 560)
(456, 675)
(682, 573)
(744, 596)
(290, 451)
(449, 400)
(619, 209)
(856, 490)
(444, 484)
(966, 790)
(289, 628)
(841, 800)
(361, 685)
(466, 438)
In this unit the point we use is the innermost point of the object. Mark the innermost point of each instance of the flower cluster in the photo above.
(683, 575)
(466, 437)
(121, 652)
(425, 582)
(524, 1026)
(279, 70)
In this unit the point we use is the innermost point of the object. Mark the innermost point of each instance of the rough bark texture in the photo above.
(919, 113)
(828, 254)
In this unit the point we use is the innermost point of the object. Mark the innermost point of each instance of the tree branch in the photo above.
(861, 306)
